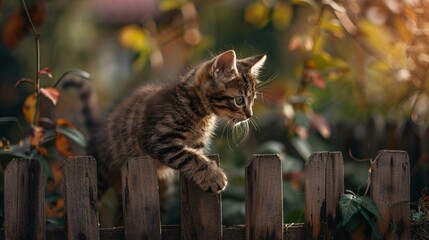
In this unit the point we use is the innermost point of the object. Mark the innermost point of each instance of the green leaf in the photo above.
(375, 231)
(354, 223)
(302, 119)
(419, 217)
(75, 72)
(74, 135)
(349, 206)
(369, 205)
(330, 25)
(324, 61)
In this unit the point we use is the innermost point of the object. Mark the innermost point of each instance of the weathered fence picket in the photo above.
(390, 190)
(324, 185)
(81, 199)
(201, 216)
(140, 200)
(264, 198)
(24, 200)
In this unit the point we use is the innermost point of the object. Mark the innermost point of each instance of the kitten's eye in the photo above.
(239, 100)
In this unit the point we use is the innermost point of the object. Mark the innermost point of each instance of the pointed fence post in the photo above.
(324, 185)
(390, 190)
(140, 199)
(24, 189)
(81, 199)
(264, 198)
(200, 212)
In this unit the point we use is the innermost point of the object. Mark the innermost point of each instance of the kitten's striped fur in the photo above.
(173, 124)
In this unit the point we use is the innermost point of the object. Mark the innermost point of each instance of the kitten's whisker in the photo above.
(223, 131)
(228, 125)
(234, 133)
(265, 92)
(274, 76)
(254, 124)
(241, 132)
(245, 131)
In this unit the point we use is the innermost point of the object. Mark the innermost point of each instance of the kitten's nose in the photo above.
(249, 112)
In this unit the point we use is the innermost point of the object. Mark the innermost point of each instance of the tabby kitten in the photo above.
(173, 124)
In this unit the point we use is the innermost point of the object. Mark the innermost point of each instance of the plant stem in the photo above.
(37, 40)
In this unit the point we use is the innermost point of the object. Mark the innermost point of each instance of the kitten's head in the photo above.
(232, 84)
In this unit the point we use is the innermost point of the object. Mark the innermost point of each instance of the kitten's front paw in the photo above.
(211, 179)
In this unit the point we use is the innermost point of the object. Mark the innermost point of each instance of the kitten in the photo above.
(173, 124)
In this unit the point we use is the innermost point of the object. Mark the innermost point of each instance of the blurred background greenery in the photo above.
(347, 76)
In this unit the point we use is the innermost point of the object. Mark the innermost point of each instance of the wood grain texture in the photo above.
(81, 199)
(390, 190)
(324, 185)
(201, 212)
(140, 199)
(24, 198)
(264, 198)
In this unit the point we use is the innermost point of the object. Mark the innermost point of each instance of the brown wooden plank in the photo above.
(315, 197)
(140, 199)
(24, 200)
(324, 185)
(81, 199)
(334, 189)
(264, 198)
(390, 190)
(200, 212)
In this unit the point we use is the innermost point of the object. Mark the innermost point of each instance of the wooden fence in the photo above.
(201, 216)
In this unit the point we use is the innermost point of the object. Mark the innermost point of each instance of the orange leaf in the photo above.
(62, 145)
(61, 122)
(51, 93)
(62, 142)
(29, 108)
(55, 209)
(42, 150)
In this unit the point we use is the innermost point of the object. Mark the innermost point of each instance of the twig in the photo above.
(37, 39)
(369, 171)
(357, 159)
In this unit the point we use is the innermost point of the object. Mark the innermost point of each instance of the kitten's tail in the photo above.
(88, 98)
(89, 110)
(91, 120)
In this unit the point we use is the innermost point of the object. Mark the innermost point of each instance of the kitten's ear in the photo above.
(255, 63)
(225, 63)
